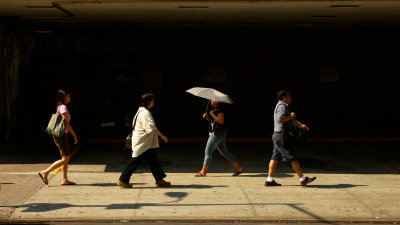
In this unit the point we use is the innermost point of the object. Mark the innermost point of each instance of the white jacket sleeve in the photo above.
(148, 122)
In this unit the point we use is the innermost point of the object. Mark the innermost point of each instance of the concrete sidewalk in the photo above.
(217, 197)
(356, 183)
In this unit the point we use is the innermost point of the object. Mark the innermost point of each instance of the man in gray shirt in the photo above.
(284, 117)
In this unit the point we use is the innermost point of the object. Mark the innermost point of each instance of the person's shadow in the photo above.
(333, 186)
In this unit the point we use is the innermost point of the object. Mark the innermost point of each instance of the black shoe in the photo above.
(307, 181)
(272, 183)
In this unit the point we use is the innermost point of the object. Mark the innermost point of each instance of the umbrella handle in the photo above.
(208, 104)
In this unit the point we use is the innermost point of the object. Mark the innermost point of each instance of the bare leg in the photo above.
(56, 164)
(237, 166)
(64, 169)
(272, 167)
(204, 169)
(296, 166)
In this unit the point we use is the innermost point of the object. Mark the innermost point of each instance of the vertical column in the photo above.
(2, 81)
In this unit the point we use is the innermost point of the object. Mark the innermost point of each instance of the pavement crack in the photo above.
(248, 199)
(137, 201)
(361, 202)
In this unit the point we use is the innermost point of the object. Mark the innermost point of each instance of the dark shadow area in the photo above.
(106, 184)
(108, 69)
(178, 195)
(253, 175)
(346, 158)
(197, 186)
(190, 186)
(254, 158)
(278, 175)
(335, 186)
(46, 207)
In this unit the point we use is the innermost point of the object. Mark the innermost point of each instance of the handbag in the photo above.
(128, 139)
(293, 136)
(56, 125)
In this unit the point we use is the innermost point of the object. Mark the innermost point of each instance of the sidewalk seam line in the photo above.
(362, 203)
(137, 201)
(248, 199)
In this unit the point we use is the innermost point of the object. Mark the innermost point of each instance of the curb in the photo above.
(218, 221)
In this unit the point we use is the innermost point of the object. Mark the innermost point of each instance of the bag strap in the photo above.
(276, 108)
(58, 108)
(286, 106)
(134, 123)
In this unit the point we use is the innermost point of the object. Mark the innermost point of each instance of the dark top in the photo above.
(214, 126)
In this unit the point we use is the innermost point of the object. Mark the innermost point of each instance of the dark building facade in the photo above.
(343, 79)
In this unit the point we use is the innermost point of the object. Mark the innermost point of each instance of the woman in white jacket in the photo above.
(144, 141)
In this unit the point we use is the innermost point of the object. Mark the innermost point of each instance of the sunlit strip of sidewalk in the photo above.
(19, 173)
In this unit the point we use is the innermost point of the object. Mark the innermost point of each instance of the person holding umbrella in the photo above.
(217, 140)
(217, 128)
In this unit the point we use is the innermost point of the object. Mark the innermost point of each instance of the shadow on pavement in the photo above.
(351, 158)
(106, 184)
(331, 186)
(46, 207)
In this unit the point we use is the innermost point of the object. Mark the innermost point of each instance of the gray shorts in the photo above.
(280, 153)
(63, 145)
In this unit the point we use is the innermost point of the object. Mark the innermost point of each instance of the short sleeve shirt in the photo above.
(62, 109)
(281, 111)
(213, 126)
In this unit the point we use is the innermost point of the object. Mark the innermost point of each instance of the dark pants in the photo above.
(151, 157)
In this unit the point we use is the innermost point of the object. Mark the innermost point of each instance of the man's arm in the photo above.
(288, 118)
(220, 118)
(302, 126)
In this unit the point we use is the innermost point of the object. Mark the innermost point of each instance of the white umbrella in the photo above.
(210, 94)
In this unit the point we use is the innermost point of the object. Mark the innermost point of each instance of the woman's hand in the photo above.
(164, 138)
(158, 133)
(75, 140)
(205, 116)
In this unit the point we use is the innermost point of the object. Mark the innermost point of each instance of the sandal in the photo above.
(199, 174)
(43, 179)
(69, 183)
(237, 173)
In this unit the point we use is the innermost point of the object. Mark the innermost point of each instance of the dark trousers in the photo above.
(151, 157)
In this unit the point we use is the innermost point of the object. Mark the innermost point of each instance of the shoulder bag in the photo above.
(293, 136)
(56, 125)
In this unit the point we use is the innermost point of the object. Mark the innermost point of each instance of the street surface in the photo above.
(357, 183)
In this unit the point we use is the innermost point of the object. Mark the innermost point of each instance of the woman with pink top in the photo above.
(63, 98)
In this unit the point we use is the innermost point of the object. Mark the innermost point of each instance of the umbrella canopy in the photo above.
(210, 94)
